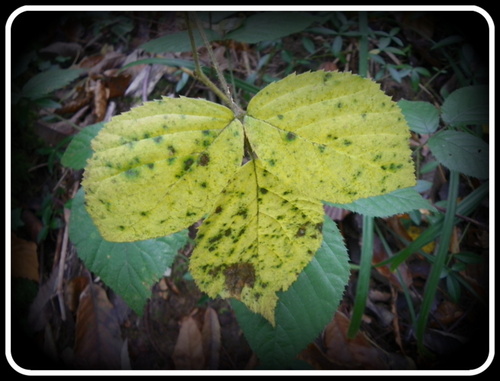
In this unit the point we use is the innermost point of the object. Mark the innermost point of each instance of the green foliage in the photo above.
(258, 27)
(130, 269)
(455, 139)
(312, 300)
(77, 153)
(396, 202)
(458, 150)
(467, 105)
(422, 117)
(44, 83)
(462, 152)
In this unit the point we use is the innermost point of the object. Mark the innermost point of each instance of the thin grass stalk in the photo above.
(363, 276)
(466, 206)
(440, 258)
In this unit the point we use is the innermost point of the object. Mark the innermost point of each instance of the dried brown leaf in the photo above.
(188, 351)
(101, 97)
(211, 338)
(73, 290)
(98, 343)
(24, 259)
(356, 353)
(359, 352)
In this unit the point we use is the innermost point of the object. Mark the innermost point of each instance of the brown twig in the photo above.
(62, 257)
(465, 218)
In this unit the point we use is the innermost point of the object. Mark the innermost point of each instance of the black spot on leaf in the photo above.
(301, 232)
(188, 163)
(204, 159)
(132, 173)
(291, 136)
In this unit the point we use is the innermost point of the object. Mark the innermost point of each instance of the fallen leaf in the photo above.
(24, 259)
(188, 351)
(359, 352)
(73, 290)
(98, 343)
(211, 335)
(101, 96)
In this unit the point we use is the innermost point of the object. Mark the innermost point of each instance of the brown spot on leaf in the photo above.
(238, 276)
(204, 159)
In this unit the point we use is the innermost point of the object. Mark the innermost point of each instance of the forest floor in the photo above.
(49, 283)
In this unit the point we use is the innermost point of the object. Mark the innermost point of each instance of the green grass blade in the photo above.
(363, 276)
(467, 206)
(406, 290)
(440, 258)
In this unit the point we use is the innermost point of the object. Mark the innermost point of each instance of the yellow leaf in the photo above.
(257, 239)
(335, 136)
(157, 169)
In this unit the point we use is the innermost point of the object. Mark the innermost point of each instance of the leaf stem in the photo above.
(199, 74)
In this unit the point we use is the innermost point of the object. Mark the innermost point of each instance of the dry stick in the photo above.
(62, 258)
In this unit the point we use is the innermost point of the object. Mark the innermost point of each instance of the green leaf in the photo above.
(42, 84)
(462, 152)
(304, 309)
(130, 269)
(177, 42)
(268, 26)
(79, 149)
(396, 202)
(422, 117)
(467, 105)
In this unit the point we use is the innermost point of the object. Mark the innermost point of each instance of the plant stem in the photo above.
(363, 44)
(363, 276)
(199, 74)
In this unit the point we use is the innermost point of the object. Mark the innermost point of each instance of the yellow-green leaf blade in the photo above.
(158, 168)
(259, 237)
(336, 136)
